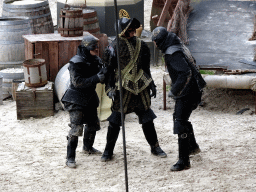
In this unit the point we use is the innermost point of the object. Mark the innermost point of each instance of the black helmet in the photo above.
(164, 39)
(159, 34)
(126, 23)
(90, 42)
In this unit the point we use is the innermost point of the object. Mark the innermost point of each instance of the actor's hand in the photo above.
(153, 90)
(101, 77)
(111, 94)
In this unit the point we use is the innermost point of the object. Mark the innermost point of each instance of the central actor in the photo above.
(137, 86)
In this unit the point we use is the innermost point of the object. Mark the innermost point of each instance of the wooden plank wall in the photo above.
(57, 53)
(29, 49)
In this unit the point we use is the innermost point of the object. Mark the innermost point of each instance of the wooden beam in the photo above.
(164, 94)
(212, 67)
(164, 13)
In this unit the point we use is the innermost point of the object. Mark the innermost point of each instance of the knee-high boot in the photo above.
(193, 146)
(71, 151)
(151, 137)
(112, 135)
(88, 140)
(183, 162)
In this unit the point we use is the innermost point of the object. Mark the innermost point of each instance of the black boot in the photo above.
(151, 137)
(183, 162)
(88, 141)
(112, 135)
(71, 151)
(193, 146)
(157, 151)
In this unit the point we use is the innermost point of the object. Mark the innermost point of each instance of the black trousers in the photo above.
(182, 111)
(144, 116)
(80, 115)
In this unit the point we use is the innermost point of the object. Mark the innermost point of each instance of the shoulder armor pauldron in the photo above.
(77, 59)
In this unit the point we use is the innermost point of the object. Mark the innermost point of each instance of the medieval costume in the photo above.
(186, 89)
(136, 86)
(81, 100)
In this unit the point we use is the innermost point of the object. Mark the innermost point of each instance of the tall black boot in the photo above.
(112, 135)
(193, 146)
(183, 162)
(71, 151)
(88, 140)
(151, 137)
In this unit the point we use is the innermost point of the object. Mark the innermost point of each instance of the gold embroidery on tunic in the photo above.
(130, 74)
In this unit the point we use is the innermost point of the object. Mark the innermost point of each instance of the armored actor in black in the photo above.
(186, 89)
(137, 84)
(81, 99)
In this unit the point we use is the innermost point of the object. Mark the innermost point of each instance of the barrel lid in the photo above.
(23, 4)
(18, 80)
(33, 62)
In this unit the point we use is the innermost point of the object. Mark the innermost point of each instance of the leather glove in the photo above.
(101, 77)
(111, 94)
(153, 90)
(103, 70)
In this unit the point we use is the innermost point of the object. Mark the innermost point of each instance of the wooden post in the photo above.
(254, 101)
(164, 12)
(164, 94)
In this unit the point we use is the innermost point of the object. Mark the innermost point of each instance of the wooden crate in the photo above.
(34, 102)
(55, 49)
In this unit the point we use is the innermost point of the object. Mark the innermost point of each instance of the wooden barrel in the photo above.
(91, 22)
(90, 18)
(1, 90)
(35, 72)
(12, 52)
(38, 11)
(71, 22)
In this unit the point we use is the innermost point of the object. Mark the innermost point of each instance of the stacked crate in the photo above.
(34, 102)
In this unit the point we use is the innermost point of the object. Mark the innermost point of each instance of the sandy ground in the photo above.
(32, 151)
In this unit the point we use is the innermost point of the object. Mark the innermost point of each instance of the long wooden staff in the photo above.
(121, 100)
